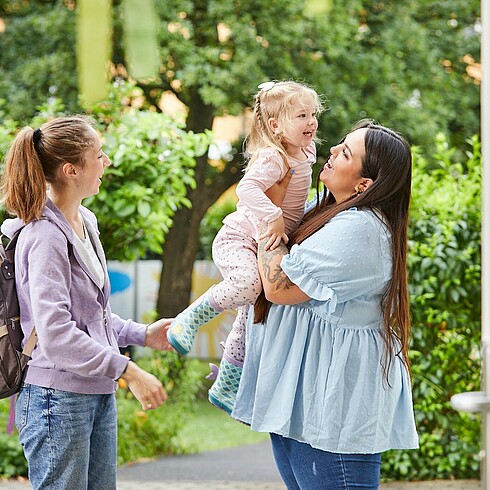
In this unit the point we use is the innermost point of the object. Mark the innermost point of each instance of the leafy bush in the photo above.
(153, 160)
(12, 461)
(147, 434)
(444, 267)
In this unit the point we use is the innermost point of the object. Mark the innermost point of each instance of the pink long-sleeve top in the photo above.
(254, 206)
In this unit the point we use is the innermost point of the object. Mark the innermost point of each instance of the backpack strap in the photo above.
(32, 340)
(30, 344)
(3, 255)
(12, 241)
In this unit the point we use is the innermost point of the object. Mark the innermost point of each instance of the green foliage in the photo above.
(391, 61)
(8, 128)
(147, 434)
(386, 60)
(221, 50)
(37, 55)
(445, 289)
(12, 461)
(153, 160)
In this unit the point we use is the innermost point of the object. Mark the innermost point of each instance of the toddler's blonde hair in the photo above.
(276, 100)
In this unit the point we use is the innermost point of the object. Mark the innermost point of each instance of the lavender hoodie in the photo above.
(77, 348)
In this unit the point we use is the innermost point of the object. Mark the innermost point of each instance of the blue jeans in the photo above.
(69, 439)
(305, 468)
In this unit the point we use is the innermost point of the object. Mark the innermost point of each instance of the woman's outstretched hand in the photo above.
(146, 388)
(156, 334)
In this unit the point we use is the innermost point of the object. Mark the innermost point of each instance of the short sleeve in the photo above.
(347, 258)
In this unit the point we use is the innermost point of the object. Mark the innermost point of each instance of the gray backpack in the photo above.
(13, 359)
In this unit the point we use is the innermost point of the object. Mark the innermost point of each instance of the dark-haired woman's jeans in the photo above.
(305, 468)
(69, 439)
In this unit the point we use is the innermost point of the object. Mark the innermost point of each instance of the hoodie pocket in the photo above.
(101, 333)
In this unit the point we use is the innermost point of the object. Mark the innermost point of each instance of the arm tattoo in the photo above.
(272, 270)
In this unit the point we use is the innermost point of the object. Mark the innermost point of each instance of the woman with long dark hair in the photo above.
(328, 375)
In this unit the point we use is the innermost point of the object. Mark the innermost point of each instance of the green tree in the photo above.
(214, 53)
(153, 159)
(404, 63)
(37, 56)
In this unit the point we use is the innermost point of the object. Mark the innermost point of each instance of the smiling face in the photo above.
(341, 173)
(299, 129)
(95, 162)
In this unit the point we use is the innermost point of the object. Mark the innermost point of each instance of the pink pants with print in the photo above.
(235, 255)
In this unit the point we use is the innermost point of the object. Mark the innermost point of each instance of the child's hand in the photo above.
(275, 233)
(277, 192)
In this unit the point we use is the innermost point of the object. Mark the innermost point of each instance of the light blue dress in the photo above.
(313, 372)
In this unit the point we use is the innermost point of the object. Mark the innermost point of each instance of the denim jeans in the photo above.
(69, 439)
(305, 468)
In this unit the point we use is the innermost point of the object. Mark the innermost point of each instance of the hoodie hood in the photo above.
(51, 212)
(10, 226)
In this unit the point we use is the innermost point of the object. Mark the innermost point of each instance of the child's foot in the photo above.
(224, 390)
(181, 342)
(182, 332)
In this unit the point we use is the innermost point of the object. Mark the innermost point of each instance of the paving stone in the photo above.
(231, 485)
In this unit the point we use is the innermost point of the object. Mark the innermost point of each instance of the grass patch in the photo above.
(209, 428)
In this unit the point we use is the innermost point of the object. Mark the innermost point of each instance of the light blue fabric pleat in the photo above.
(313, 372)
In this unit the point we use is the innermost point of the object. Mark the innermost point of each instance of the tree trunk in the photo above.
(180, 249)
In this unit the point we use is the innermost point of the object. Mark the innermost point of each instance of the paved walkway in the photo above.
(229, 485)
(242, 468)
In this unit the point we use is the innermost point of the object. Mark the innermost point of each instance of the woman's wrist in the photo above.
(146, 334)
(126, 374)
